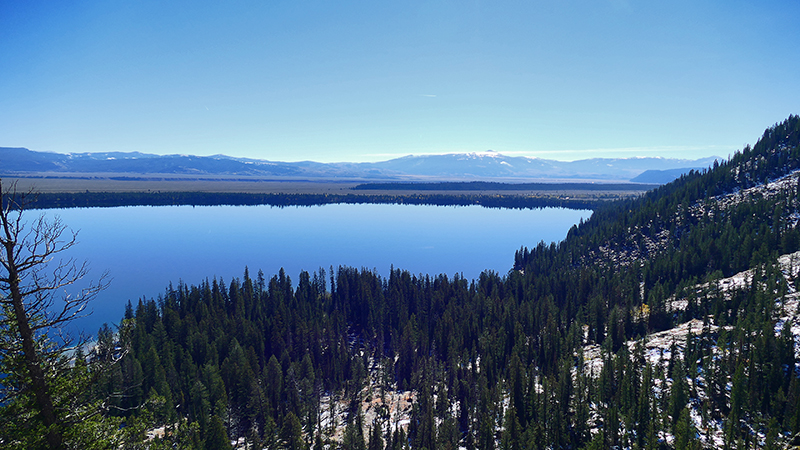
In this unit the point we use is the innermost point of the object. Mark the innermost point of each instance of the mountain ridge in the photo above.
(463, 166)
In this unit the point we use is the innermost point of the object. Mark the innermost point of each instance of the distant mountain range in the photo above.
(470, 166)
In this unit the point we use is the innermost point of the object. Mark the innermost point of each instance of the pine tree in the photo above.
(353, 434)
(216, 436)
(292, 433)
(684, 431)
(375, 437)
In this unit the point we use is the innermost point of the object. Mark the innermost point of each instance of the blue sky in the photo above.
(368, 81)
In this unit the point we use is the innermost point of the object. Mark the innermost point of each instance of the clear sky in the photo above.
(368, 81)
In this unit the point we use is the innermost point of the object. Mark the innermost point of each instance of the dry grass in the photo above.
(104, 182)
(94, 182)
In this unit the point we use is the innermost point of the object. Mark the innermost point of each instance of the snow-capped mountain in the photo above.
(469, 166)
(495, 165)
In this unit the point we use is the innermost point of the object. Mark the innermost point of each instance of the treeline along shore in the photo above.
(52, 200)
(496, 186)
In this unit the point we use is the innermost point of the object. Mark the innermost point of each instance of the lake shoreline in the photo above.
(144, 249)
(53, 200)
(111, 190)
(149, 182)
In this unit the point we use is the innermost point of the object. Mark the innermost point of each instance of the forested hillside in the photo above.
(560, 352)
(500, 361)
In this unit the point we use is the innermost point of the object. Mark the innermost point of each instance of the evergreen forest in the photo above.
(558, 353)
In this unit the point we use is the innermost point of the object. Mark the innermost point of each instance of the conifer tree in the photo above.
(292, 433)
(216, 436)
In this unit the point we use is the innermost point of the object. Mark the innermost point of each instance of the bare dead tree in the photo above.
(34, 347)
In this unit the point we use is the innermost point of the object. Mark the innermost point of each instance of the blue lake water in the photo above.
(145, 248)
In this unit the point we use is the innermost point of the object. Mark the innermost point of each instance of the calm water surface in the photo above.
(145, 248)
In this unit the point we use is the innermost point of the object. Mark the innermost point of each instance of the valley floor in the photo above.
(107, 182)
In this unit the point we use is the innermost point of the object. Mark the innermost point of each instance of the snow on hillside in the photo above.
(641, 244)
(393, 407)
(779, 187)
(658, 346)
(376, 402)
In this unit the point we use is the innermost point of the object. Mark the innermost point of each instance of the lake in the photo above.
(144, 248)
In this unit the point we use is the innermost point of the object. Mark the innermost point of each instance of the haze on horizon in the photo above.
(364, 81)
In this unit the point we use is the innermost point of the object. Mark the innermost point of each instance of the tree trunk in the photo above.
(38, 382)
